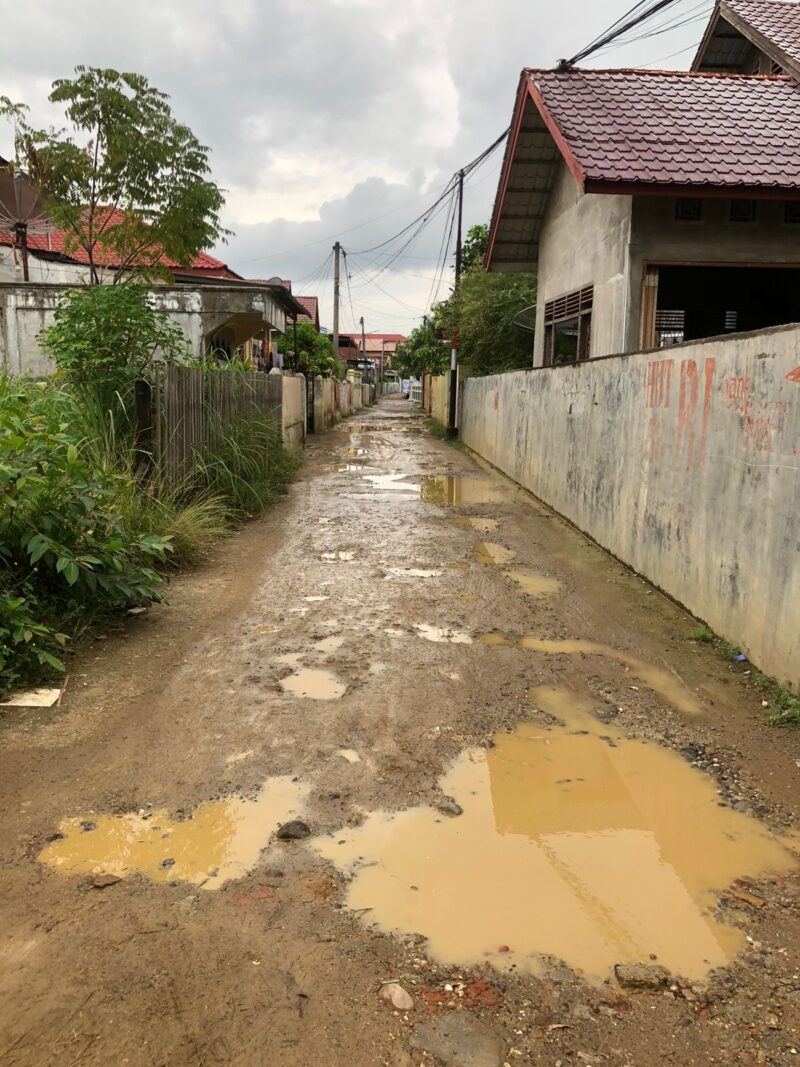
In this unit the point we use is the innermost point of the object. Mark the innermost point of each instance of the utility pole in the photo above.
(452, 431)
(337, 248)
(363, 342)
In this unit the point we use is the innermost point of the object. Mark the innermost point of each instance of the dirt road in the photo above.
(517, 769)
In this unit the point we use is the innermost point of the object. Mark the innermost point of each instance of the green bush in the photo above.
(66, 553)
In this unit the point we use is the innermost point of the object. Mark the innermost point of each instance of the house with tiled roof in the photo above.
(659, 206)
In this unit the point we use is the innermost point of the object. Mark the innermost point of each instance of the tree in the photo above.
(475, 246)
(486, 306)
(314, 355)
(423, 350)
(129, 184)
(105, 337)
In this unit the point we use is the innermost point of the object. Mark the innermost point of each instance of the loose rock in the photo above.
(641, 975)
(102, 881)
(449, 807)
(394, 994)
(293, 831)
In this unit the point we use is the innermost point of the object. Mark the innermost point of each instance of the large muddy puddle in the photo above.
(533, 583)
(659, 679)
(219, 841)
(452, 489)
(490, 553)
(575, 842)
(313, 683)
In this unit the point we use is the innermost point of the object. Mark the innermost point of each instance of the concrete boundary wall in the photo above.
(684, 462)
(294, 411)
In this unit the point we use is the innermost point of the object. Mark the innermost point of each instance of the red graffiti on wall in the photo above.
(793, 375)
(762, 421)
(659, 380)
(688, 451)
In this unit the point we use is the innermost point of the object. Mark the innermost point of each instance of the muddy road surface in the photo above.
(410, 773)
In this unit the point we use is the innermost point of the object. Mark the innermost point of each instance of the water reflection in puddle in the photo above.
(575, 842)
(658, 679)
(316, 684)
(489, 553)
(220, 841)
(451, 489)
(392, 482)
(337, 557)
(533, 583)
(412, 572)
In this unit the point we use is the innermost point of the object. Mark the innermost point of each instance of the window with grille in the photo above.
(670, 327)
(743, 211)
(568, 327)
(688, 209)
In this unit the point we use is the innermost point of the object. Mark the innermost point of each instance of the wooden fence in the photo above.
(190, 403)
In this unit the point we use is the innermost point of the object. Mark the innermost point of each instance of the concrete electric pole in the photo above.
(337, 248)
(452, 431)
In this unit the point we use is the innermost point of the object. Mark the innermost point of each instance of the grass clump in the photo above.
(783, 705)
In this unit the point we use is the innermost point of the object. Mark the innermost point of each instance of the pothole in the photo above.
(659, 679)
(490, 553)
(315, 684)
(442, 634)
(221, 840)
(449, 489)
(533, 583)
(574, 842)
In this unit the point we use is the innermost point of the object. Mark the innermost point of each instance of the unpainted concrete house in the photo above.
(659, 206)
(217, 309)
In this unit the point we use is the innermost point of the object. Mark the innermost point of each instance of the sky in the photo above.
(334, 119)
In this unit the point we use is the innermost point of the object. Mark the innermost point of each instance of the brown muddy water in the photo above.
(660, 680)
(313, 683)
(489, 553)
(449, 489)
(220, 841)
(575, 842)
(533, 583)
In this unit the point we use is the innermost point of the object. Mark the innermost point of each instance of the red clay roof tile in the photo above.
(674, 127)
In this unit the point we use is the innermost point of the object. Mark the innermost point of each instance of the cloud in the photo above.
(325, 114)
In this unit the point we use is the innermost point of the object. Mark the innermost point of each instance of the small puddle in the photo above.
(497, 555)
(412, 572)
(316, 684)
(221, 840)
(533, 583)
(392, 482)
(452, 489)
(337, 557)
(441, 634)
(481, 525)
(575, 842)
(659, 679)
(328, 644)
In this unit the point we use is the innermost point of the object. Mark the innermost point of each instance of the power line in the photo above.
(631, 19)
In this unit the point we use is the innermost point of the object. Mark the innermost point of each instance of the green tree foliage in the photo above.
(104, 337)
(482, 312)
(127, 182)
(427, 348)
(315, 354)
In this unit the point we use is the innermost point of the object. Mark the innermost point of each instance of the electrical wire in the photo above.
(628, 22)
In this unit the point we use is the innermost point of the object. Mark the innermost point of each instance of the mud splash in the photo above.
(442, 635)
(660, 680)
(533, 583)
(575, 842)
(220, 841)
(315, 684)
(449, 489)
(495, 555)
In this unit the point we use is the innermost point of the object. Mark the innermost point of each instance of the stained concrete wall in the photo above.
(293, 410)
(585, 241)
(323, 404)
(685, 463)
(440, 398)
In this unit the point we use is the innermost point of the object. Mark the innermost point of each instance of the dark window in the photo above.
(791, 211)
(743, 211)
(568, 327)
(689, 209)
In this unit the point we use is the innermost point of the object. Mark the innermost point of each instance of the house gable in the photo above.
(751, 37)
